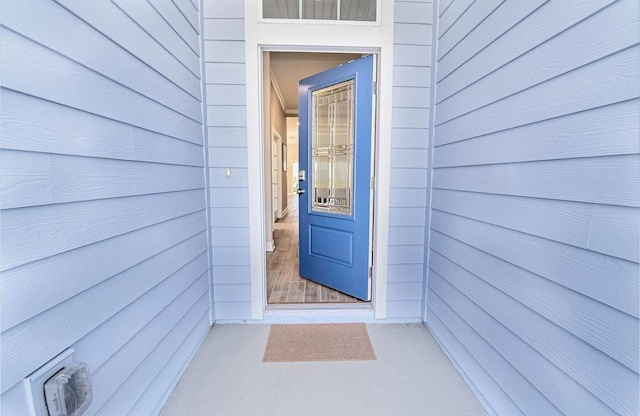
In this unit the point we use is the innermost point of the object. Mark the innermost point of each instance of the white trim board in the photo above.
(314, 37)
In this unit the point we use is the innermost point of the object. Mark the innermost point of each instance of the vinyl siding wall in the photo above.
(226, 100)
(533, 263)
(409, 157)
(104, 232)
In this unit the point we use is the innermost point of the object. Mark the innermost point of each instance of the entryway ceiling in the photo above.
(290, 67)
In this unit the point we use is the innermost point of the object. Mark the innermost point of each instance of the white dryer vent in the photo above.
(61, 387)
(68, 392)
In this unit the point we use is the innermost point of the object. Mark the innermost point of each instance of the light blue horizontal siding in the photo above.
(224, 10)
(533, 279)
(406, 273)
(603, 82)
(238, 179)
(230, 236)
(178, 21)
(588, 41)
(222, 94)
(119, 373)
(149, 15)
(55, 28)
(451, 14)
(132, 37)
(35, 125)
(409, 156)
(225, 73)
(121, 328)
(413, 12)
(601, 131)
(229, 136)
(224, 51)
(42, 231)
(469, 19)
(232, 293)
(478, 364)
(405, 291)
(231, 256)
(515, 391)
(230, 217)
(407, 197)
(224, 29)
(528, 24)
(497, 22)
(227, 140)
(603, 180)
(231, 274)
(540, 295)
(229, 197)
(404, 309)
(104, 219)
(608, 280)
(167, 375)
(232, 157)
(591, 368)
(409, 178)
(53, 83)
(577, 224)
(234, 310)
(412, 34)
(38, 179)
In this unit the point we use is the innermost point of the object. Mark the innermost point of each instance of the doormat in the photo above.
(318, 342)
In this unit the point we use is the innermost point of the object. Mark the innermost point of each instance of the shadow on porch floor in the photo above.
(411, 376)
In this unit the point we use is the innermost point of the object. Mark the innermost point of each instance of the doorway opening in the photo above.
(283, 284)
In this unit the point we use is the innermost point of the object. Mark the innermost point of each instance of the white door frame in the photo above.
(317, 36)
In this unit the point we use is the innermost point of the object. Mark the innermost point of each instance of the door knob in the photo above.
(300, 191)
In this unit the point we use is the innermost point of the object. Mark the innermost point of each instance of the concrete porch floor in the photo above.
(411, 376)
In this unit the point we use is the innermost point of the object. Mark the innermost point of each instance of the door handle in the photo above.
(300, 191)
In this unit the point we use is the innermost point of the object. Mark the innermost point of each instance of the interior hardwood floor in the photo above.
(284, 284)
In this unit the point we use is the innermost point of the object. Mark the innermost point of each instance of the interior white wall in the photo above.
(266, 156)
(292, 151)
(279, 129)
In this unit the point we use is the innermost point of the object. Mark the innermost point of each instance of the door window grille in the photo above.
(347, 10)
(332, 146)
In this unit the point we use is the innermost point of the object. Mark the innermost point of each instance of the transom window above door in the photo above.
(346, 10)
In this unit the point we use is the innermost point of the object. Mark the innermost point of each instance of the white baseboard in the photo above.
(270, 245)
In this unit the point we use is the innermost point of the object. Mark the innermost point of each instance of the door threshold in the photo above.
(318, 313)
(318, 306)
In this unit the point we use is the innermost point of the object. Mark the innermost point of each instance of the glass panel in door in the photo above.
(332, 146)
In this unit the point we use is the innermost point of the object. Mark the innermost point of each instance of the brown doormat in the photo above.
(318, 342)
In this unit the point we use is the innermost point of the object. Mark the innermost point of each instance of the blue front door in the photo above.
(335, 114)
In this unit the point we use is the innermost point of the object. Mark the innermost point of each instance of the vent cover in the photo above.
(58, 402)
(69, 392)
